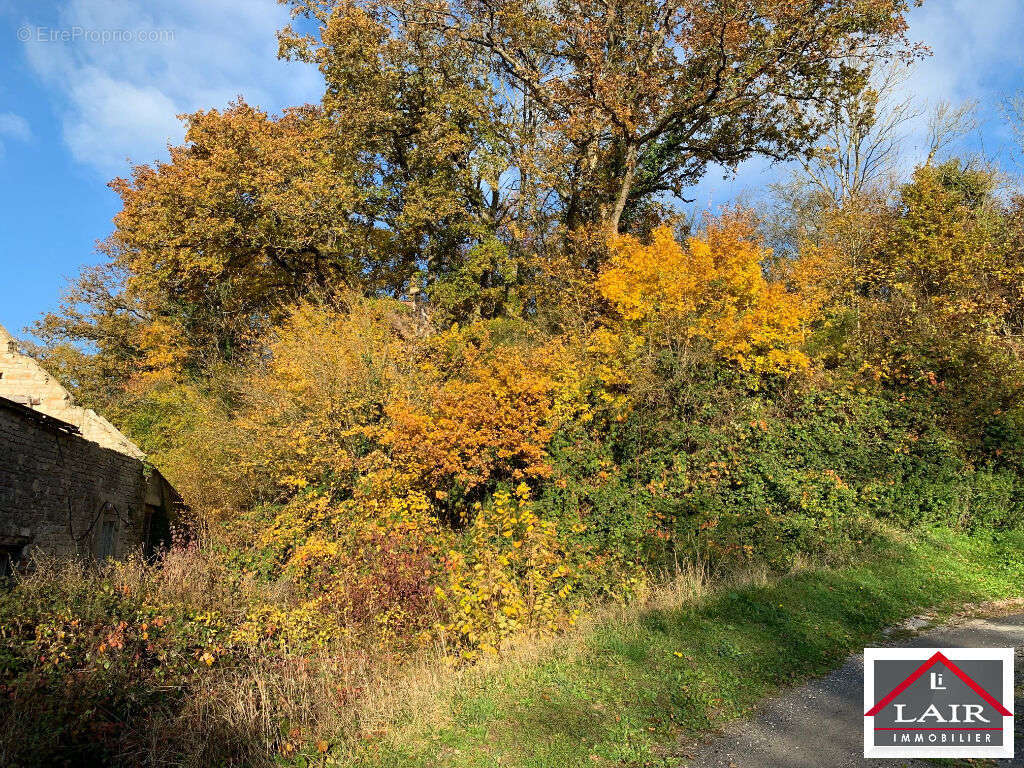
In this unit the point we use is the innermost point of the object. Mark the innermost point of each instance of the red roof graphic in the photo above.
(938, 658)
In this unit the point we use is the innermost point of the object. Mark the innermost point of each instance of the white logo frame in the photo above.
(871, 696)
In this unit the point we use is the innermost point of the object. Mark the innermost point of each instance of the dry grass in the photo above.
(690, 655)
(416, 697)
(250, 712)
(258, 707)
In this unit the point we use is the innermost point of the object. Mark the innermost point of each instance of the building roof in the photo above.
(39, 418)
(5, 339)
(938, 658)
(24, 381)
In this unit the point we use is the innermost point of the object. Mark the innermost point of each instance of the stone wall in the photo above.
(24, 381)
(66, 495)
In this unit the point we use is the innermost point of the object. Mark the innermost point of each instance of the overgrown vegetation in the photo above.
(636, 686)
(439, 370)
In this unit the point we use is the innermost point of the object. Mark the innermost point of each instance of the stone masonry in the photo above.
(70, 483)
(24, 381)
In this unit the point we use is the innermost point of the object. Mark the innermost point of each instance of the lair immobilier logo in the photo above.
(932, 702)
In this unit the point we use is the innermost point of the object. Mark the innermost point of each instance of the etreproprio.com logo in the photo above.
(102, 36)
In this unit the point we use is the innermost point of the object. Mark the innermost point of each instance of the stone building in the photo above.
(70, 482)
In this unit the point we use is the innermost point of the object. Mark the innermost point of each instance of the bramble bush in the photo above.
(369, 487)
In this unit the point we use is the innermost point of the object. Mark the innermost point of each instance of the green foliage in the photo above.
(423, 393)
(771, 476)
(638, 687)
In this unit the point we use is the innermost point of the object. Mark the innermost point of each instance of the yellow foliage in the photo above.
(366, 403)
(511, 579)
(359, 571)
(490, 419)
(324, 386)
(711, 287)
(922, 287)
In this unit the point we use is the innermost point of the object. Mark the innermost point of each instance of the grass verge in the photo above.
(633, 686)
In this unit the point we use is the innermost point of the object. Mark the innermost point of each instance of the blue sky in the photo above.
(86, 85)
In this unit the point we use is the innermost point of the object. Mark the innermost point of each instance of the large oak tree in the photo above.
(589, 110)
(460, 145)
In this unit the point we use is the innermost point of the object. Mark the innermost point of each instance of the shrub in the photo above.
(710, 288)
(509, 576)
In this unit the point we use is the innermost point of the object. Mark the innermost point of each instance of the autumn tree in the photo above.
(934, 295)
(246, 217)
(863, 141)
(594, 110)
(709, 292)
(472, 157)
(840, 198)
(456, 145)
(944, 264)
(420, 112)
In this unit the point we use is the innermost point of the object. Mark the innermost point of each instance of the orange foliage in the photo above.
(489, 420)
(366, 403)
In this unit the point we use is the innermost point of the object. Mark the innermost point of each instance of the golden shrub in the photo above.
(510, 579)
(711, 287)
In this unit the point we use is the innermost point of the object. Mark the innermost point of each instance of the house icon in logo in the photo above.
(939, 658)
(938, 703)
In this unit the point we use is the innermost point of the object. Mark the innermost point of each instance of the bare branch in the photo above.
(948, 124)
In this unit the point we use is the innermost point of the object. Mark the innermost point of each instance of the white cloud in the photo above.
(976, 55)
(131, 66)
(13, 126)
(111, 119)
(118, 99)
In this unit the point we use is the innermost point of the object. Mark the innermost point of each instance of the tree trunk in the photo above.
(625, 187)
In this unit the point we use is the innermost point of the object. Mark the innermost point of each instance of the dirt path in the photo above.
(820, 725)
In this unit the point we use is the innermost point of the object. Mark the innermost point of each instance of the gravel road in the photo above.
(820, 725)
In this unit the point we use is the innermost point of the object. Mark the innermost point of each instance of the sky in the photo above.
(89, 87)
